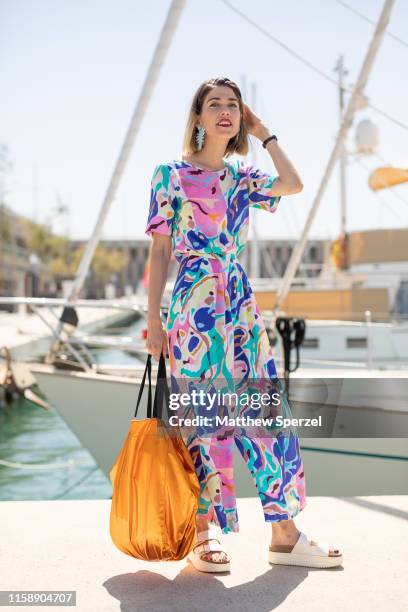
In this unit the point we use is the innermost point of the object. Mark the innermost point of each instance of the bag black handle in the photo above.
(148, 369)
(161, 393)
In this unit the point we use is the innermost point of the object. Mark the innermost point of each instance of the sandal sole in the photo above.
(208, 567)
(304, 560)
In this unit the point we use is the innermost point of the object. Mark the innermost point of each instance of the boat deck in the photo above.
(26, 333)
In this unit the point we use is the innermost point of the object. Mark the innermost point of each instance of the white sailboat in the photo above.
(98, 408)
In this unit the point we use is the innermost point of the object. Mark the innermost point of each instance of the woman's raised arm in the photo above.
(288, 181)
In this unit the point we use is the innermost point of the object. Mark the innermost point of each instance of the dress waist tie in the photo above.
(225, 257)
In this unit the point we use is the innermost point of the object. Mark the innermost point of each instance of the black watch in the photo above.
(265, 142)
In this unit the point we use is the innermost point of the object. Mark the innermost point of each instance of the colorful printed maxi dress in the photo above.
(216, 332)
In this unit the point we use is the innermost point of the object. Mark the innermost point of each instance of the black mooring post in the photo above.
(287, 326)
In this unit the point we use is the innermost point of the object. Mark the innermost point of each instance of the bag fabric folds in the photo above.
(155, 486)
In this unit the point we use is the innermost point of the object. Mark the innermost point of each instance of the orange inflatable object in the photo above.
(388, 176)
(155, 486)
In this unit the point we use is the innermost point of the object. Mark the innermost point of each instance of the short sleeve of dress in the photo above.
(161, 212)
(259, 189)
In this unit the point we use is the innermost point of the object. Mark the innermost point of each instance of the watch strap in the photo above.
(265, 142)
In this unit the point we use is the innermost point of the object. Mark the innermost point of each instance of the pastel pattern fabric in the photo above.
(216, 332)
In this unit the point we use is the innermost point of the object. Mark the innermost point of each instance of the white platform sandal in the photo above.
(207, 542)
(307, 553)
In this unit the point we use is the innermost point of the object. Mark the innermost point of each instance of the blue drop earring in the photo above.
(200, 137)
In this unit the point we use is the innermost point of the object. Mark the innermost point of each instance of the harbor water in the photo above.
(40, 457)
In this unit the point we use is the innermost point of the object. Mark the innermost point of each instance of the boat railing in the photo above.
(79, 342)
(82, 303)
(76, 341)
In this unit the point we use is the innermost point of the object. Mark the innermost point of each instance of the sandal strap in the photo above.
(209, 547)
(207, 538)
(304, 546)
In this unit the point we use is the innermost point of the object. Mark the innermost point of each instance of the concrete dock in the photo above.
(65, 545)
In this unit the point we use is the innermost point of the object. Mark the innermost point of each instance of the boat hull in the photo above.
(98, 409)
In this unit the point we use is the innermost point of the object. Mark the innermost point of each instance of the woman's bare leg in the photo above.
(215, 557)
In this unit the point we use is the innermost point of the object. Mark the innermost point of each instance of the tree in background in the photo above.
(62, 261)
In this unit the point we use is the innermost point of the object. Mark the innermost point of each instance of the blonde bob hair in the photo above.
(238, 144)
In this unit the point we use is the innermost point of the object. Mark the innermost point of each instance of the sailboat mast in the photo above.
(159, 55)
(342, 72)
(255, 267)
(345, 126)
(162, 47)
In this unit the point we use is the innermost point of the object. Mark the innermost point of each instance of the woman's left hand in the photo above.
(254, 124)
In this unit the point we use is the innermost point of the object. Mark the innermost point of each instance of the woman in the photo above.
(199, 210)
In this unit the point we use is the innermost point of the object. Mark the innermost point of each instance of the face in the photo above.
(220, 114)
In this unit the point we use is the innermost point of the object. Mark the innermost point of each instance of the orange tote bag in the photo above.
(155, 486)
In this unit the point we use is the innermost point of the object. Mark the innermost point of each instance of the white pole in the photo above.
(159, 55)
(347, 121)
(369, 340)
(255, 267)
(245, 257)
(166, 36)
(342, 72)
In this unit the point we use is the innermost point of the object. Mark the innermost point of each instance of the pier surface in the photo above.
(65, 545)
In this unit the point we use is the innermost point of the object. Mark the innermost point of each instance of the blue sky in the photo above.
(72, 71)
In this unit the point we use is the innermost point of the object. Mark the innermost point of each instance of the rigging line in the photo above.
(378, 110)
(356, 12)
(377, 195)
(280, 43)
(320, 72)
